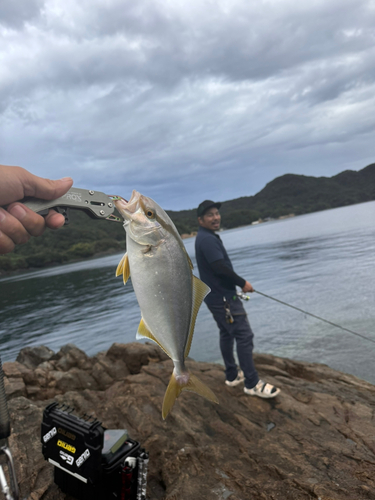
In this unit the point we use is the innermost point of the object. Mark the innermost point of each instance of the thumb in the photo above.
(46, 189)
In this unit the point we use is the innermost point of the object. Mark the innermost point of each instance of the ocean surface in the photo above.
(322, 263)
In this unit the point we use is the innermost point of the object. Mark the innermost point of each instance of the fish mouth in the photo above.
(128, 208)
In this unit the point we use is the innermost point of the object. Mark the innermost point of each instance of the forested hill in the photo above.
(297, 194)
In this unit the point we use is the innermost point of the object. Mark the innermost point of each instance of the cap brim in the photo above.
(204, 210)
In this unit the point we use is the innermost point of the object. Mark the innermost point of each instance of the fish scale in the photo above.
(165, 305)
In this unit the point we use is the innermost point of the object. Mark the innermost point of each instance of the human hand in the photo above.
(18, 222)
(247, 287)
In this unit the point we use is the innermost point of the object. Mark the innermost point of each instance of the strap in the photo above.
(267, 388)
(126, 482)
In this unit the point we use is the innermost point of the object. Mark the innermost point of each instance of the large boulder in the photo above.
(31, 357)
(314, 441)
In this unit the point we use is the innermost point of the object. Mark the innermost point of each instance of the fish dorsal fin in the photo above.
(144, 332)
(200, 290)
(123, 268)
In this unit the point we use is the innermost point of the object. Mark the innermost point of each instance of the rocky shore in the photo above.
(314, 441)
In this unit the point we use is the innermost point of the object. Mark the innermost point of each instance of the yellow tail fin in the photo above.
(174, 389)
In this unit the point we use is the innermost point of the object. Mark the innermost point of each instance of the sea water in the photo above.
(322, 263)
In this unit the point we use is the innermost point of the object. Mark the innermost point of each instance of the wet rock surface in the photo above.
(316, 440)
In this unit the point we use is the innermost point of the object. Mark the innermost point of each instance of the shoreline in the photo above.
(55, 264)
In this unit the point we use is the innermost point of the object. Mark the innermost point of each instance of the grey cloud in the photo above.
(185, 102)
(142, 40)
(15, 13)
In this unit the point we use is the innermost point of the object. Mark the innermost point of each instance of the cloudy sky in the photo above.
(186, 100)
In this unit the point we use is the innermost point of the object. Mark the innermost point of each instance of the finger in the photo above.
(32, 223)
(6, 244)
(18, 183)
(46, 189)
(54, 220)
(12, 228)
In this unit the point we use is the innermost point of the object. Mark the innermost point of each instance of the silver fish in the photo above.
(168, 293)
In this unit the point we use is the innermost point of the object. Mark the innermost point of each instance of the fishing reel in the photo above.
(228, 315)
(243, 296)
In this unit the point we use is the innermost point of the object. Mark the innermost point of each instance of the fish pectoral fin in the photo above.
(145, 332)
(123, 268)
(174, 389)
(200, 290)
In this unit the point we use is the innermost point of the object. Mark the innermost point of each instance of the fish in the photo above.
(168, 294)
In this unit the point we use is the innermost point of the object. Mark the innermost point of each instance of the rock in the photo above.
(70, 356)
(76, 380)
(42, 376)
(31, 357)
(116, 369)
(14, 387)
(136, 355)
(29, 377)
(315, 440)
(101, 376)
(15, 370)
(32, 391)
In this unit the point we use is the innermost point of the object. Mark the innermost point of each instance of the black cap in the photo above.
(205, 205)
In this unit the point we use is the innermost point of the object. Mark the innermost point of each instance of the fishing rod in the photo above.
(243, 296)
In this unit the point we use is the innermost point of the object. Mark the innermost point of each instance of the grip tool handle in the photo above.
(96, 204)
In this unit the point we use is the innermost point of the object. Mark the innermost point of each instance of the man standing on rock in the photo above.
(216, 270)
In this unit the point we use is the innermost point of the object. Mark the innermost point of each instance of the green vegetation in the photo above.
(82, 238)
(290, 194)
(297, 194)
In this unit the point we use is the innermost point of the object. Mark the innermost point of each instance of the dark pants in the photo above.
(239, 331)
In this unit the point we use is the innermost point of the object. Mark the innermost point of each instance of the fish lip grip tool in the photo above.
(10, 491)
(96, 204)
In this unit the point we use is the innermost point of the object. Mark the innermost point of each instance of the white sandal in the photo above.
(262, 390)
(240, 378)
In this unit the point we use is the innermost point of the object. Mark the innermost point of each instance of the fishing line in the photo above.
(314, 316)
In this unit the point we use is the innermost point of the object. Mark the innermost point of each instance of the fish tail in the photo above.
(193, 384)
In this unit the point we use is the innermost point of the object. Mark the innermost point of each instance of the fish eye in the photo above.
(150, 213)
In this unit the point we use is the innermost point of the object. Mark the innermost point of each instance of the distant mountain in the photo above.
(290, 193)
(297, 194)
